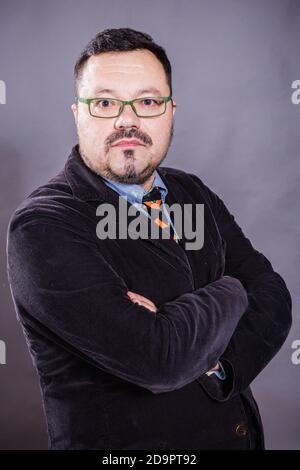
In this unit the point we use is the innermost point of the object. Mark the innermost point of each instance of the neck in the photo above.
(147, 185)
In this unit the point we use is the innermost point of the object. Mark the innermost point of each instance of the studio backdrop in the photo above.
(236, 76)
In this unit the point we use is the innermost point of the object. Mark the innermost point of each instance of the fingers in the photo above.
(217, 367)
(141, 300)
(136, 295)
(144, 302)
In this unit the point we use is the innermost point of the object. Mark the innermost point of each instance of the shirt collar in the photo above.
(135, 192)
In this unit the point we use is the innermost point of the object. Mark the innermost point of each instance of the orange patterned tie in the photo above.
(153, 203)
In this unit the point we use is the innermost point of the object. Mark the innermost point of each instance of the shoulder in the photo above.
(191, 184)
(49, 203)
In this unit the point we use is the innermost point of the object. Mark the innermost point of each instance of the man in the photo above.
(140, 343)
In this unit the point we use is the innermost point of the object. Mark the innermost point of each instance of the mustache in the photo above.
(129, 134)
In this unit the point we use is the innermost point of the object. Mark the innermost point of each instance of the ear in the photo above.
(174, 105)
(74, 108)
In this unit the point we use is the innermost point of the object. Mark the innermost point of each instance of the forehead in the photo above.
(130, 71)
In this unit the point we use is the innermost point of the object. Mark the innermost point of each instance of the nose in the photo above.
(127, 118)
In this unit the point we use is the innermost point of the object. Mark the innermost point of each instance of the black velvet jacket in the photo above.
(115, 375)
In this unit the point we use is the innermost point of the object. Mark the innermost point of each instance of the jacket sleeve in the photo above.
(60, 280)
(265, 325)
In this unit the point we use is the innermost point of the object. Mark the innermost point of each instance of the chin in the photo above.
(131, 176)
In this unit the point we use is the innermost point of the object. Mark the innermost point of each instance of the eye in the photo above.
(147, 102)
(105, 103)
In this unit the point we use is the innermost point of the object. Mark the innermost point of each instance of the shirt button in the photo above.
(241, 430)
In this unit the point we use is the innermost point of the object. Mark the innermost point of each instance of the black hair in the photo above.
(121, 40)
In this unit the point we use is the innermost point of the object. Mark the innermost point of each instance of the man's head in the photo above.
(124, 61)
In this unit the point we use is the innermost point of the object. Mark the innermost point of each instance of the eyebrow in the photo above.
(138, 92)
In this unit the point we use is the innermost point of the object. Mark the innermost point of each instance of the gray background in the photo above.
(235, 126)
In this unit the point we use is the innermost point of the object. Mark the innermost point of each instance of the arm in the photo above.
(60, 280)
(266, 323)
(218, 370)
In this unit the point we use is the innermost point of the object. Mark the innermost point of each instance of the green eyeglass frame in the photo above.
(88, 101)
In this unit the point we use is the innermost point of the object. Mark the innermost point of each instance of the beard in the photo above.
(130, 175)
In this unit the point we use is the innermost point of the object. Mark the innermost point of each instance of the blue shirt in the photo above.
(134, 194)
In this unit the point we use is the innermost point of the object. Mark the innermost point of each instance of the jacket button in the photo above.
(241, 430)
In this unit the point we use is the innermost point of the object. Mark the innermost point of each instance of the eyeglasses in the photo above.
(112, 107)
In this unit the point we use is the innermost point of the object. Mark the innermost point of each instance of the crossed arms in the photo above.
(60, 280)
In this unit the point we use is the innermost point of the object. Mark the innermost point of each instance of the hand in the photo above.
(217, 367)
(137, 298)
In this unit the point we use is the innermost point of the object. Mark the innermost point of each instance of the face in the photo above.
(125, 73)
